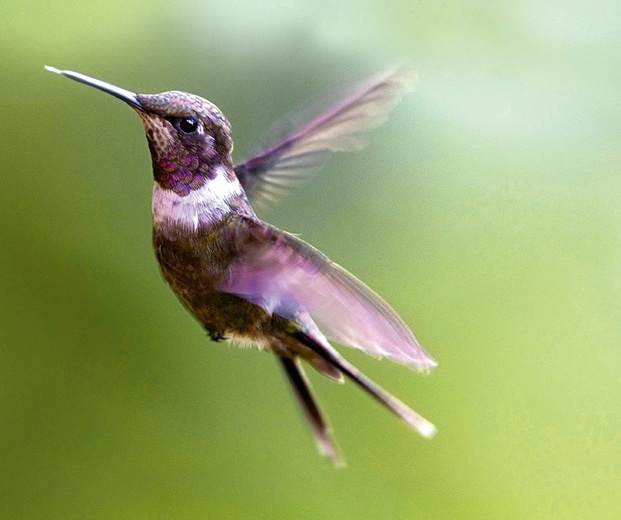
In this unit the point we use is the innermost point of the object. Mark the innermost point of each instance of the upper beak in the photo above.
(129, 97)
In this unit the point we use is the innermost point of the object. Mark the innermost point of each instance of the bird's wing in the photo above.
(288, 277)
(293, 157)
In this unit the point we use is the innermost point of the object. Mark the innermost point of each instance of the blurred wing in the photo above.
(287, 277)
(290, 160)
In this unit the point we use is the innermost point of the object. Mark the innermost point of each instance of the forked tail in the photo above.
(316, 420)
(409, 416)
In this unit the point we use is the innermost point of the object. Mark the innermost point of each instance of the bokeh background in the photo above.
(486, 211)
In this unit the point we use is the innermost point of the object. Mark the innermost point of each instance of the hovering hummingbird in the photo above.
(246, 281)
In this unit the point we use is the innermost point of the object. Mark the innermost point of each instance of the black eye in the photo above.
(188, 125)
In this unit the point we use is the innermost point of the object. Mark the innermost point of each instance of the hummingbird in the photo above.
(248, 282)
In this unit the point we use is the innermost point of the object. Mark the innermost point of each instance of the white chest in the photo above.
(205, 205)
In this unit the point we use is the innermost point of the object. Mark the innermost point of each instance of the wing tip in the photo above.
(402, 74)
(427, 365)
(421, 362)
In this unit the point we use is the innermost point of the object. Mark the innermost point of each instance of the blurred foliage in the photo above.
(486, 211)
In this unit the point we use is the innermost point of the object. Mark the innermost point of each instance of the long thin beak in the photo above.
(118, 92)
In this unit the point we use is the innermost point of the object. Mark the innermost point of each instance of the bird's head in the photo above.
(189, 137)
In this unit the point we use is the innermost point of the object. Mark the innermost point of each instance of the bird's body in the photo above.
(246, 281)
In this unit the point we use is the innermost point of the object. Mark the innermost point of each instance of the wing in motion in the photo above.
(288, 161)
(288, 277)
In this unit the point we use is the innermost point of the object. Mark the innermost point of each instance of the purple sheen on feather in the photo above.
(184, 176)
(168, 166)
(288, 277)
(191, 162)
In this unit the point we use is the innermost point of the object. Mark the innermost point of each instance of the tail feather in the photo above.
(409, 416)
(319, 426)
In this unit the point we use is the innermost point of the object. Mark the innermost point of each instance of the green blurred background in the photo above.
(486, 211)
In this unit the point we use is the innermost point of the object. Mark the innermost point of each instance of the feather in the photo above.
(291, 159)
(319, 426)
(288, 277)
